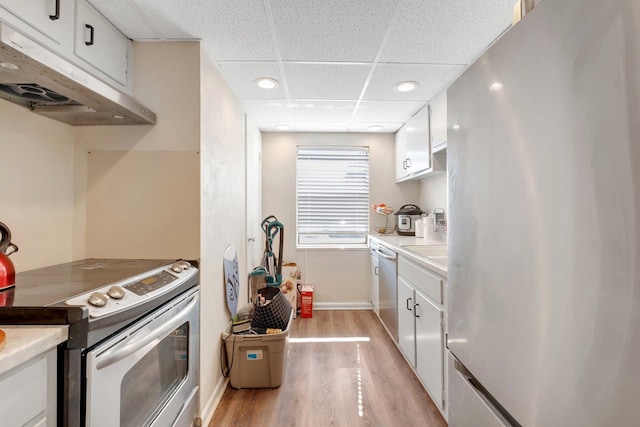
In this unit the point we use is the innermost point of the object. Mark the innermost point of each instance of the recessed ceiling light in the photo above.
(456, 126)
(406, 86)
(118, 116)
(9, 65)
(495, 86)
(283, 127)
(267, 83)
(375, 128)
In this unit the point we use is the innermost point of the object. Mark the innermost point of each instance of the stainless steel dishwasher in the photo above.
(388, 266)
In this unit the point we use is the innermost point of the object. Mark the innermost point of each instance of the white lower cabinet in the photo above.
(421, 326)
(406, 321)
(430, 347)
(29, 393)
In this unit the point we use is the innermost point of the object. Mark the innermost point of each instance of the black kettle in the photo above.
(7, 270)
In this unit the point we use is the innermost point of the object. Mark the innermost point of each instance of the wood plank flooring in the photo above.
(362, 382)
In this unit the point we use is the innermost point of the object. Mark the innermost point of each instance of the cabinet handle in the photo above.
(408, 163)
(409, 299)
(415, 311)
(91, 29)
(375, 271)
(57, 15)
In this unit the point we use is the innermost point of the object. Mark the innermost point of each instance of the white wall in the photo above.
(36, 187)
(433, 193)
(340, 277)
(119, 207)
(223, 218)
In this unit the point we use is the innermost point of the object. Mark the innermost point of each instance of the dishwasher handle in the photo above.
(385, 256)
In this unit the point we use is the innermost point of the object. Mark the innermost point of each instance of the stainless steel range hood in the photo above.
(36, 78)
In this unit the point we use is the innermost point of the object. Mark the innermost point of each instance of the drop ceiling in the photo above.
(336, 61)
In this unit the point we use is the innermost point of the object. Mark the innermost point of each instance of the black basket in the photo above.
(275, 313)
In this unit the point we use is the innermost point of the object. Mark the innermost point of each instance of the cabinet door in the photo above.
(401, 153)
(406, 321)
(374, 282)
(429, 347)
(438, 122)
(100, 44)
(417, 145)
(48, 21)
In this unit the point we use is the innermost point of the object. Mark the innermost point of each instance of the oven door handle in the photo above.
(135, 345)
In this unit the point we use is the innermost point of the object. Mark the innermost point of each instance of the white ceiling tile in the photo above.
(325, 81)
(242, 76)
(233, 30)
(127, 18)
(331, 30)
(445, 31)
(162, 16)
(327, 49)
(321, 126)
(384, 111)
(431, 80)
(364, 127)
(325, 111)
(269, 110)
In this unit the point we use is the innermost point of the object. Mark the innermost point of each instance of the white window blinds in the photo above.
(332, 196)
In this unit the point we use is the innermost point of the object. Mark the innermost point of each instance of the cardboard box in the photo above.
(290, 291)
(306, 302)
(291, 273)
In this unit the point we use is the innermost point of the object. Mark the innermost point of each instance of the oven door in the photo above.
(148, 374)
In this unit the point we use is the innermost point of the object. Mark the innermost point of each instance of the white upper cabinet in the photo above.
(100, 44)
(76, 31)
(48, 21)
(401, 153)
(412, 146)
(438, 122)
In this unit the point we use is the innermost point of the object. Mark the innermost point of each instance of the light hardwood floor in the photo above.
(358, 383)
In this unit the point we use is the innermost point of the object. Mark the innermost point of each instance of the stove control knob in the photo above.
(98, 299)
(184, 264)
(177, 268)
(116, 292)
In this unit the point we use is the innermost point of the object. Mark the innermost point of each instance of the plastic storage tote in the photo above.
(256, 361)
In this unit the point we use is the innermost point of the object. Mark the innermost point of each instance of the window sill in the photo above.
(358, 246)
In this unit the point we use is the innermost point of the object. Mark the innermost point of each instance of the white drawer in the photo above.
(24, 392)
(421, 278)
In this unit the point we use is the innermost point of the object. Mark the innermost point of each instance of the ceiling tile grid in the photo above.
(381, 111)
(242, 76)
(431, 80)
(336, 61)
(325, 81)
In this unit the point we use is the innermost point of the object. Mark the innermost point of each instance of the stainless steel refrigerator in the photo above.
(544, 231)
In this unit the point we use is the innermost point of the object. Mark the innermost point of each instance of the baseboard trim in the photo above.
(342, 306)
(212, 403)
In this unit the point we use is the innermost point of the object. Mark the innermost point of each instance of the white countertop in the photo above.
(396, 242)
(26, 342)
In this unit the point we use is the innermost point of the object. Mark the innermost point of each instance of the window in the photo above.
(332, 188)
